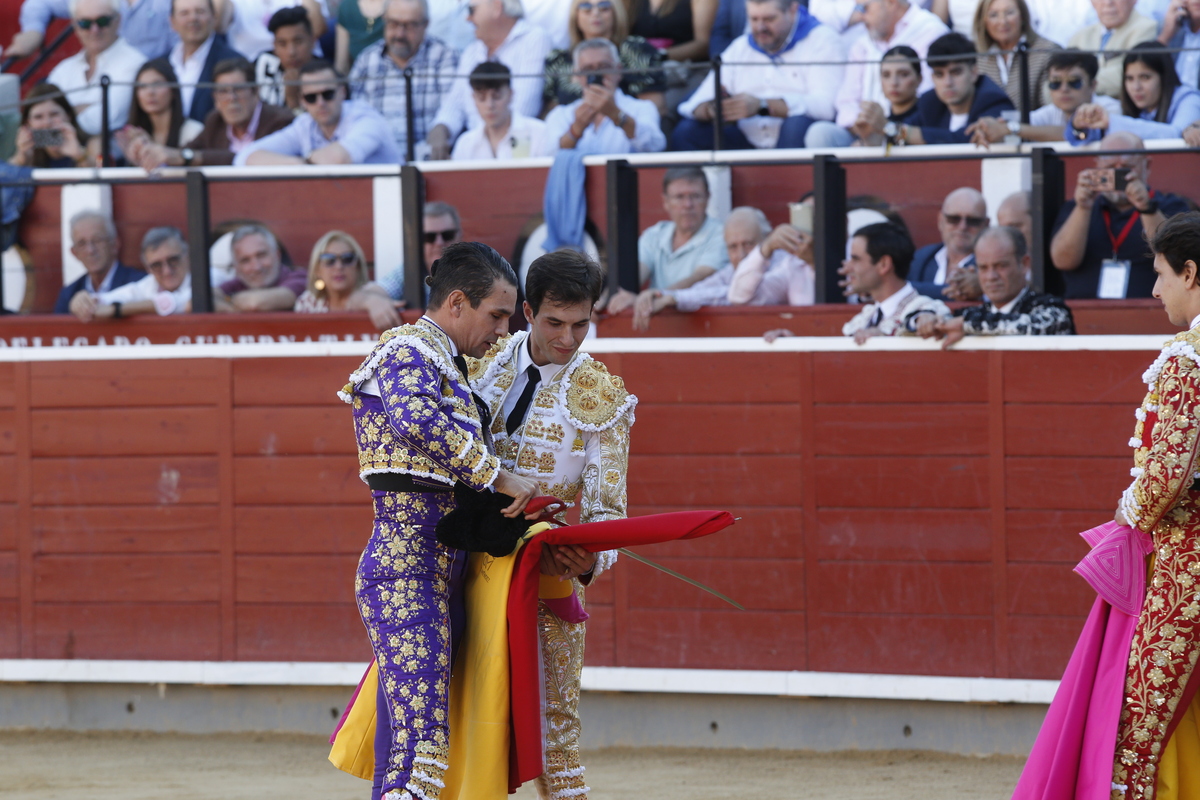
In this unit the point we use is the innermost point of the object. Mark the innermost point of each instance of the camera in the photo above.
(595, 79)
(1112, 180)
(47, 137)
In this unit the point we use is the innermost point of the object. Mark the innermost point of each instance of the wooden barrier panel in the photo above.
(901, 512)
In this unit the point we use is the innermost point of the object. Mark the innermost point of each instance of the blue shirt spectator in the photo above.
(334, 131)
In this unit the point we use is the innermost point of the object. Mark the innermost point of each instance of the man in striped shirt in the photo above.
(377, 76)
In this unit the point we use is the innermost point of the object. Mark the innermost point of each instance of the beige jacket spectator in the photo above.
(1117, 30)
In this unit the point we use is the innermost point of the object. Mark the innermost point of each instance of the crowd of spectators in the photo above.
(824, 73)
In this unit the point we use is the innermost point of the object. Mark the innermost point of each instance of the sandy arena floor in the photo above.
(123, 766)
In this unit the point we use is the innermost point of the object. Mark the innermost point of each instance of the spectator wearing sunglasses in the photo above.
(442, 227)
(946, 270)
(333, 130)
(144, 24)
(337, 281)
(1071, 81)
(105, 53)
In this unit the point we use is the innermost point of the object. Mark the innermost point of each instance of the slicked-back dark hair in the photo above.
(490, 75)
(293, 15)
(889, 239)
(471, 267)
(564, 277)
(1178, 240)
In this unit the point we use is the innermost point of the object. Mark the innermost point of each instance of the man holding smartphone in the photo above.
(604, 120)
(1099, 240)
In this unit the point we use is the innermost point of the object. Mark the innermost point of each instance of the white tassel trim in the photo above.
(397, 794)
(1120, 787)
(425, 777)
(1134, 441)
(1176, 347)
(564, 793)
(430, 762)
(1140, 414)
(466, 447)
(1128, 506)
(566, 773)
(419, 792)
(414, 472)
(1137, 472)
(487, 381)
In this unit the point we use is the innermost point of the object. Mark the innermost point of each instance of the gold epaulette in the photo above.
(477, 366)
(595, 398)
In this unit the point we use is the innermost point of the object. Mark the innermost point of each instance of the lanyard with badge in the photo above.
(1114, 272)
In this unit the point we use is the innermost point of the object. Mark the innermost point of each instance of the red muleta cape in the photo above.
(525, 754)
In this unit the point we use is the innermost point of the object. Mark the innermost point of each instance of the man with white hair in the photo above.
(377, 76)
(167, 289)
(501, 35)
(262, 282)
(105, 53)
(779, 78)
(143, 25)
(604, 120)
(746, 231)
(1119, 28)
(94, 242)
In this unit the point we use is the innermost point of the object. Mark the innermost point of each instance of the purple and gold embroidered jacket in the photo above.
(424, 421)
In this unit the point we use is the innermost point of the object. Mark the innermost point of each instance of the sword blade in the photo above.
(681, 577)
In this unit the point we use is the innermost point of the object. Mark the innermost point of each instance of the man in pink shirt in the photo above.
(889, 23)
(262, 282)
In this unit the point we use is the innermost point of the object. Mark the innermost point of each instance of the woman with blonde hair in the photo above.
(641, 64)
(337, 281)
(1001, 26)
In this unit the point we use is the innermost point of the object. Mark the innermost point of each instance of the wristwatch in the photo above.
(1014, 127)
(764, 108)
(1151, 207)
(188, 155)
(890, 129)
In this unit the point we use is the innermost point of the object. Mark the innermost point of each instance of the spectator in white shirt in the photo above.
(167, 289)
(605, 119)
(503, 135)
(104, 53)
(502, 35)
(1071, 80)
(889, 23)
(780, 77)
(777, 272)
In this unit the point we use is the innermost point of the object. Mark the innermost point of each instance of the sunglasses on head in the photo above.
(99, 22)
(345, 259)
(1074, 83)
(972, 222)
(603, 5)
(447, 236)
(326, 95)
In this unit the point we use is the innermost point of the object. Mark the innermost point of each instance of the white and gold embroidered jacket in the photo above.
(575, 440)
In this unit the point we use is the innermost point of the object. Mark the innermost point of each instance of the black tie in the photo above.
(514, 420)
(485, 417)
(876, 318)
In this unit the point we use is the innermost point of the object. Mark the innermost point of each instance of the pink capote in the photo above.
(1073, 755)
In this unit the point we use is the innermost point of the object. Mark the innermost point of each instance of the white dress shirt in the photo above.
(807, 87)
(917, 29)
(147, 288)
(120, 62)
(188, 70)
(608, 138)
(526, 138)
(523, 52)
(941, 257)
(1051, 114)
(785, 279)
(553, 17)
(524, 362)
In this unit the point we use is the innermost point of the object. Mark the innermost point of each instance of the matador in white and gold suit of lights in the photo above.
(575, 442)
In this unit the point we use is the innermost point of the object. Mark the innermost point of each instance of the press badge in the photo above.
(1114, 279)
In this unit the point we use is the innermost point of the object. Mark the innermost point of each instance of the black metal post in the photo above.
(1023, 72)
(1046, 198)
(198, 230)
(105, 133)
(829, 227)
(718, 119)
(410, 123)
(412, 208)
(622, 206)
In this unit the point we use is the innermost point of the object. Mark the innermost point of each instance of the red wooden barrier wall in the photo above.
(910, 512)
